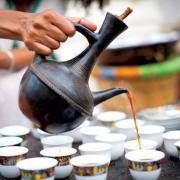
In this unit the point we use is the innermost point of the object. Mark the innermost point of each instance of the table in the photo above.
(118, 169)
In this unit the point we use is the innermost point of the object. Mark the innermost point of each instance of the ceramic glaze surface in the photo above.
(63, 156)
(145, 164)
(9, 157)
(117, 141)
(10, 141)
(90, 167)
(146, 145)
(57, 141)
(170, 138)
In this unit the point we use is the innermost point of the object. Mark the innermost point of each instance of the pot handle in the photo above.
(90, 35)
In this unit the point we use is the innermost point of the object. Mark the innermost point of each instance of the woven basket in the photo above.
(151, 85)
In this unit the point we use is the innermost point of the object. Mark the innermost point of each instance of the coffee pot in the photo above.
(56, 95)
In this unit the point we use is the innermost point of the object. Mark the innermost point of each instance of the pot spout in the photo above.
(101, 96)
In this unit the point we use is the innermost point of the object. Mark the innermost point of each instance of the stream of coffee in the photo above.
(130, 98)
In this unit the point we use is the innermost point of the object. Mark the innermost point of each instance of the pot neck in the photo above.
(83, 64)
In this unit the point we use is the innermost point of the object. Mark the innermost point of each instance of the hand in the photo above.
(43, 32)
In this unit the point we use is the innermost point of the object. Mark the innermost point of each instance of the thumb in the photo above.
(90, 25)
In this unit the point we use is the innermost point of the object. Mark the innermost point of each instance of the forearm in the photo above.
(12, 23)
(21, 58)
(4, 60)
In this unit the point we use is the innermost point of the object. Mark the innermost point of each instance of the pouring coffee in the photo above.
(56, 95)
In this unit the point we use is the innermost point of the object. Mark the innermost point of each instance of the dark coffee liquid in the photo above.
(129, 95)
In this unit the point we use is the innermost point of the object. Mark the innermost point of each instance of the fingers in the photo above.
(43, 32)
(43, 45)
(57, 34)
(39, 48)
(49, 42)
(63, 24)
(83, 22)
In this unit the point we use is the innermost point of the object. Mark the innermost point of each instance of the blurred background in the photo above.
(145, 59)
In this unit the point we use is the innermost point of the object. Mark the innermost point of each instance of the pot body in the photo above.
(46, 108)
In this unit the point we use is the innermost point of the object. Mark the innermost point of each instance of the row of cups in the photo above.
(56, 162)
(105, 138)
(118, 140)
(59, 161)
(142, 163)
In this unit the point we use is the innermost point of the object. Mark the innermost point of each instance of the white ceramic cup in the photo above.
(152, 132)
(75, 133)
(14, 131)
(9, 157)
(145, 164)
(127, 127)
(38, 168)
(145, 145)
(109, 118)
(89, 133)
(43, 134)
(96, 148)
(57, 141)
(117, 141)
(90, 167)
(63, 156)
(169, 142)
(17, 131)
(10, 141)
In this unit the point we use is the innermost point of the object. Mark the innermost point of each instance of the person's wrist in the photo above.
(21, 24)
(11, 60)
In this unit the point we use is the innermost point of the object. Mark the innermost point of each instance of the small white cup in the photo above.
(152, 132)
(89, 133)
(57, 141)
(109, 118)
(117, 141)
(38, 168)
(127, 127)
(10, 141)
(169, 142)
(75, 133)
(145, 164)
(9, 157)
(96, 148)
(17, 131)
(43, 134)
(90, 167)
(63, 156)
(145, 143)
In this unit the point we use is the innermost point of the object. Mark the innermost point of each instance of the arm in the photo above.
(10, 27)
(21, 58)
(42, 32)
